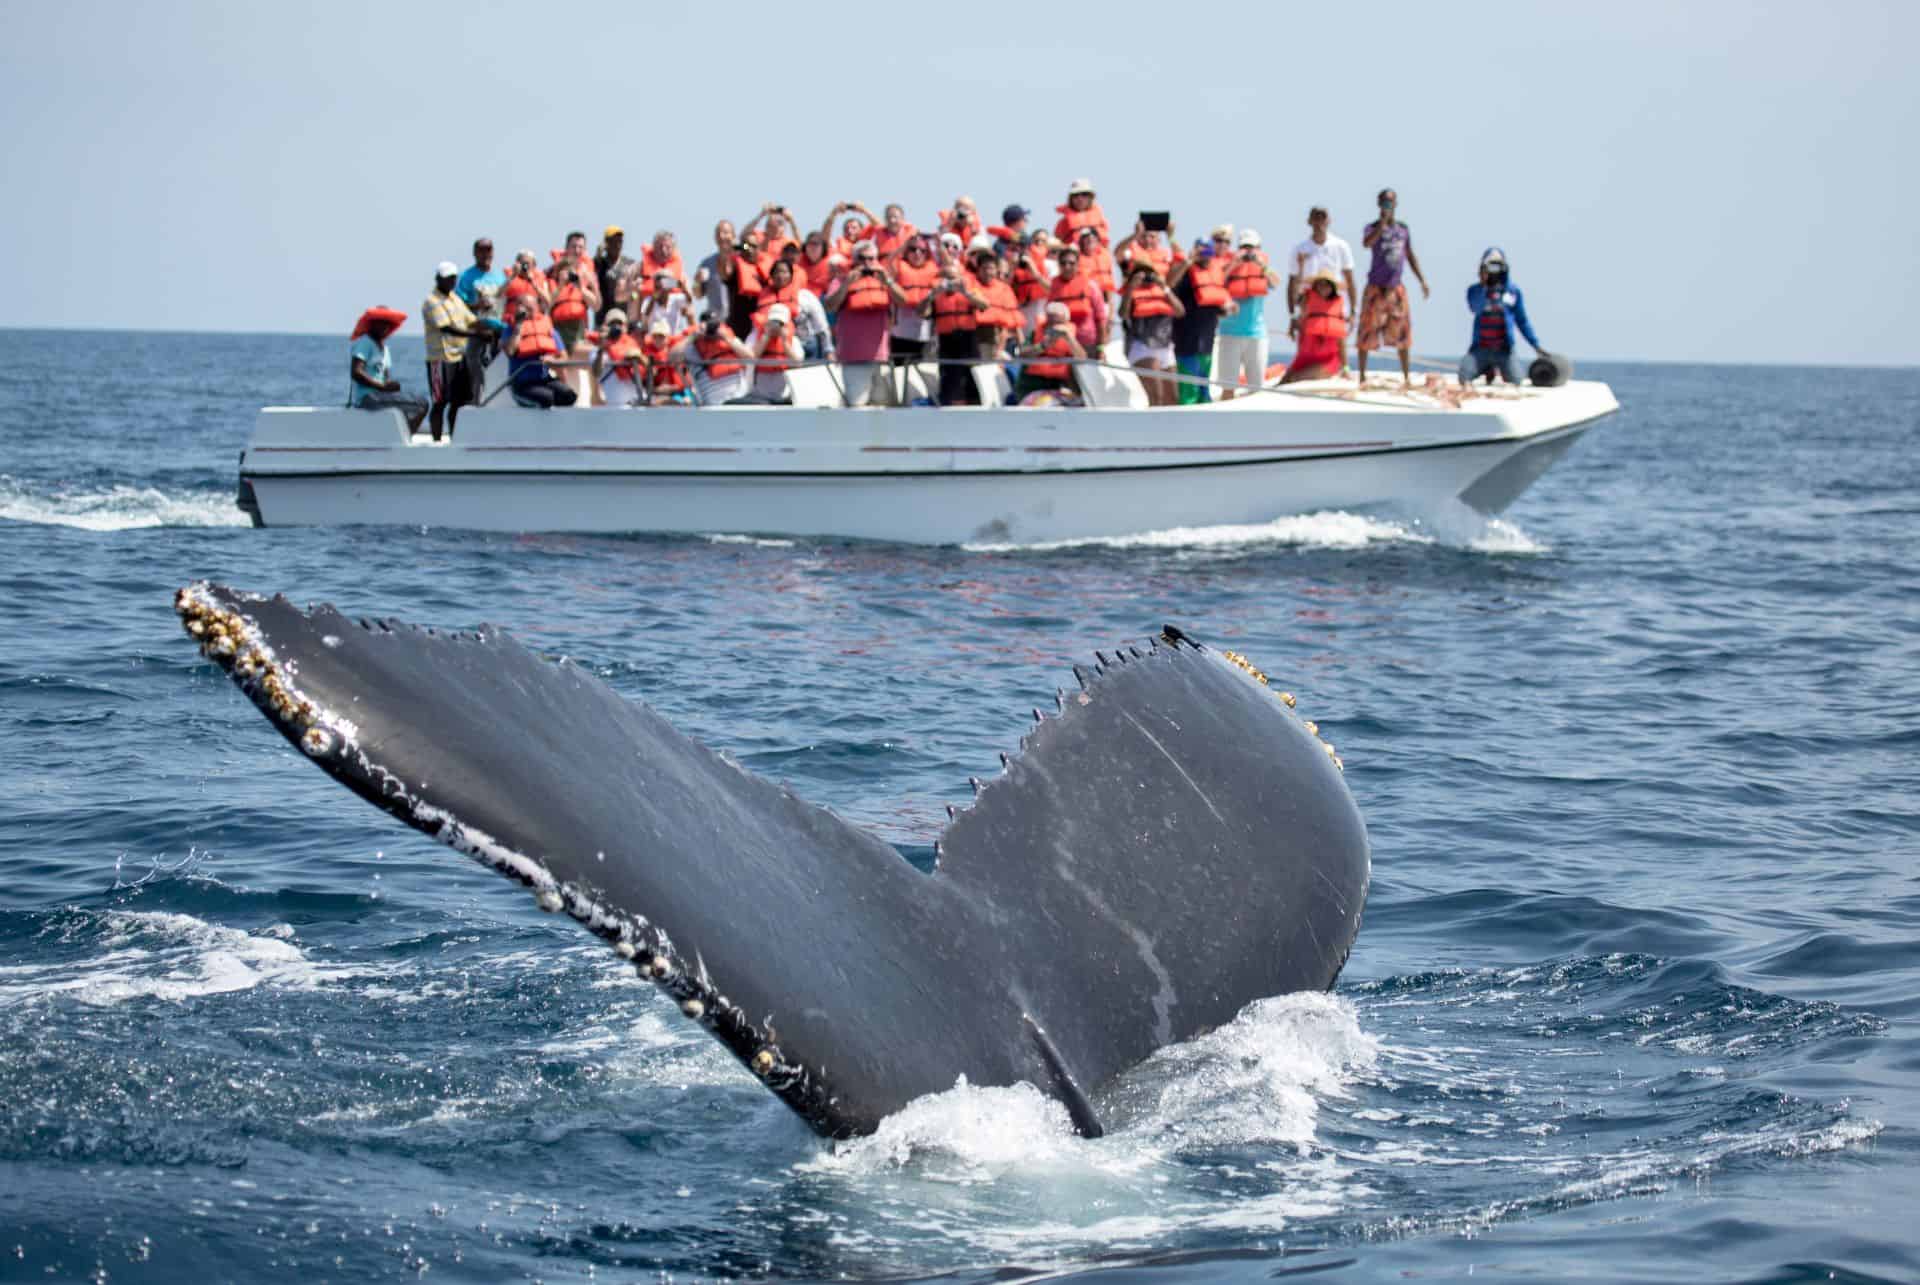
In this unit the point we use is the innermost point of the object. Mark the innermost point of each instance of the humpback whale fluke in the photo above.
(1172, 844)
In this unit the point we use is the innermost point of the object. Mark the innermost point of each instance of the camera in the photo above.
(710, 327)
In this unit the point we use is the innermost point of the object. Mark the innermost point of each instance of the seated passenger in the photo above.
(774, 349)
(620, 364)
(1322, 352)
(863, 302)
(666, 375)
(1053, 347)
(954, 306)
(530, 344)
(369, 364)
(1149, 309)
(718, 360)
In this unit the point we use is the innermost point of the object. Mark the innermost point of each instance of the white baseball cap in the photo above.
(446, 269)
(982, 244)
(1248, 237)
(1080, 186)
(780, 312)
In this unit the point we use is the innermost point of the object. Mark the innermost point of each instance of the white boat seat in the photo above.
(1110, 389)
(994, 386)
(816, 387)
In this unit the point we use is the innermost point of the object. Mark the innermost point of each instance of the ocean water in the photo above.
(1636, 995)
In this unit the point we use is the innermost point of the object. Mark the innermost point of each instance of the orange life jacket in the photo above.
(819, 273)
(953, 310)
(621, 353)
(751, 281)
(667, 377)
(1246, 279)
(1029, 282)
(1160, 257)
(1209, 280)
(1054, 346)
(1098, 266)
(1072, 220)
(534, 338)
(865, 294)
(1325, 319)
(1151, 301)
(653, 266)
(777, 354)
(1003, 308)
(788, 294)
(728, 362)
(1076, 292)
(886, 242)
(916, 283)
(570, 304)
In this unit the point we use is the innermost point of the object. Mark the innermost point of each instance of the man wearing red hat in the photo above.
(369, 366)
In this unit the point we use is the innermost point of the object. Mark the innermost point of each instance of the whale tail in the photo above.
(1170, 844)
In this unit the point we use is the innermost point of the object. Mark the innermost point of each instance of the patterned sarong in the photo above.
(1384, 322)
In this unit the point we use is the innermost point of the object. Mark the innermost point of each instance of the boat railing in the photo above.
(899, 368)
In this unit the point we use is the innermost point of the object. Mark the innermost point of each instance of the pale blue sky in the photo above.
(1712, 181)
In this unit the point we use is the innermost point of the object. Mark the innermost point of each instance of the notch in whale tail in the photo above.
(1168, 846)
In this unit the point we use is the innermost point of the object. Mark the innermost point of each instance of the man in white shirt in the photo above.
(1320, 252)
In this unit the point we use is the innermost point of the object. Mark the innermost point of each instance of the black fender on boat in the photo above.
(1171, 843)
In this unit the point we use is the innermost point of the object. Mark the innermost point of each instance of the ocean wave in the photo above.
(117, 508)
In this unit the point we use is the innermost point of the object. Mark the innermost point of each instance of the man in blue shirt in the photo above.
(1497, 308)
(481, 278)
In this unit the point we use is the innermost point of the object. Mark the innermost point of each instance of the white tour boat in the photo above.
(924, 475)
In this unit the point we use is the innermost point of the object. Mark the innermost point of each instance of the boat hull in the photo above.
(916, 476)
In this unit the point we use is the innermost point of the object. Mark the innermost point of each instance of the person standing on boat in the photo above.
(450, 324)
(369, 366)
(667, 302)
(1322, 251)
(910, 334)
(481, 279)
(1081, 294)
(1150, 311)
(1498, 309)
(1081, 211)
(774, 348)
(863, 303)
(1241, 349)
(612, 269)
(954, 308)
(1384, 316)
(1199, 282)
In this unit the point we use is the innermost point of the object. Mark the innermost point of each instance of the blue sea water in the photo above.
(1636, 995)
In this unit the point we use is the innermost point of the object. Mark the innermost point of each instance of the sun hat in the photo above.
(1222, 230)
(1080, 186)
(446, 269)
(613, 315)
(1327, 275)
(1248, 237)
(659, 327)
(613, 230)
(373, 316)
(779, 312)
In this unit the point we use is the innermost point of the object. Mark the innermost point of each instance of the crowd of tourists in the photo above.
(874, 293)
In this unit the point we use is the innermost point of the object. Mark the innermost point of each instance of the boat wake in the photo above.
(117, 508)
(1327, 529)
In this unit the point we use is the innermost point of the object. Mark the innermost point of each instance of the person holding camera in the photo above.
(1498, 310)
(529, 346)
(1240, 350)
(620, 364)
(864, 303)
(954, 307)
(998, 325)
(611, 269)
(1199, 282)
(1081, 295)
(1049, 356)
(774, 348)
(666, 377)
(1149, 309)
(717, 359)
(1148, 245)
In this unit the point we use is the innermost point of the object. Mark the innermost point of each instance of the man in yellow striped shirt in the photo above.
(450, 324)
